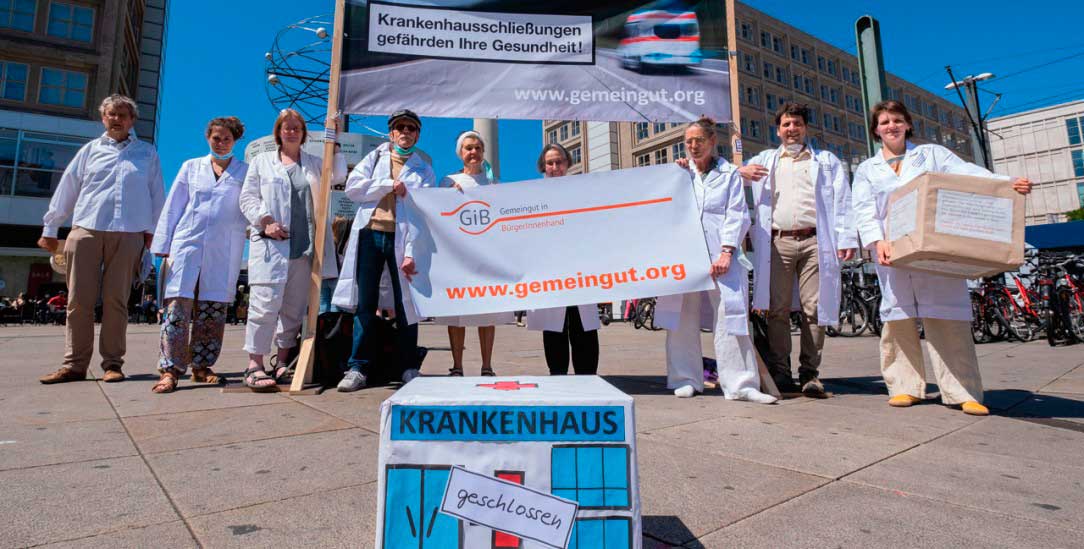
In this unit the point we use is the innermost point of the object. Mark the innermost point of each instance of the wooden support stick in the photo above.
(735, 89)
(303, 372)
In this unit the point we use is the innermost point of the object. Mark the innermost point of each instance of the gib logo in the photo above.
(476, 216)
(473, 216)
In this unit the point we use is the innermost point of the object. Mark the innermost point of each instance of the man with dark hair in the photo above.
(802, 205)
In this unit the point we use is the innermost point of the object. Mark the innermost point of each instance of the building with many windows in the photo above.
(776, 62)
(58, 60)
(1047, 146)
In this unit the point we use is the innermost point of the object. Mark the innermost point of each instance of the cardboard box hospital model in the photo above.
(503, 463)
(956, 225)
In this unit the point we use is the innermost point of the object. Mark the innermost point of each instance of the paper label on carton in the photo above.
(903, 216)
(974, 216)
(947, 267)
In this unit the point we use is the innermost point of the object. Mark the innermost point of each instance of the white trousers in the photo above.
(953, 359)
(276, 310)
(734, 354)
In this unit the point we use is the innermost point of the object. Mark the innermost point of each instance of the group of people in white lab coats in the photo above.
(806, 220)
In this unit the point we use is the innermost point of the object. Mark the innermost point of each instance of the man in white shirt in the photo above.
(113, 190)
(802, 205)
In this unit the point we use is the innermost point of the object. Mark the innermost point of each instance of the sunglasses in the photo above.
(405, 128)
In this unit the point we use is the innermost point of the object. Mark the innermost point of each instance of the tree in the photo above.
(1075, 215)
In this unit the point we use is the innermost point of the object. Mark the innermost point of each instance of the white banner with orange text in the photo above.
(572, 240)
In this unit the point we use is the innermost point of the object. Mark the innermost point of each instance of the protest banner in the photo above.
(629, 60)
(557, 242)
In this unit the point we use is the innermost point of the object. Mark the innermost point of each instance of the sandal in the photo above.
(205, 375)
(256, 379)
(488, 372)
(167, 383)
(455, 372)
(283, 374)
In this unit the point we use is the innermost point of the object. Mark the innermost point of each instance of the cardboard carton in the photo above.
(956, 225)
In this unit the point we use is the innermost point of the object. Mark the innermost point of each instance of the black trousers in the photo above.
(584, 346)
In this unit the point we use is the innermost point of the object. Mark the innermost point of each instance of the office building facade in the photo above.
(777, 62)
(58, 60)
(1047, 146)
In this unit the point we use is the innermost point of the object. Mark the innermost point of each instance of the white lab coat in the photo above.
(905, 293)
(203, 231)
(726, 226)
(553, 318)
(266, 191)
(368, 183)
(835, 229)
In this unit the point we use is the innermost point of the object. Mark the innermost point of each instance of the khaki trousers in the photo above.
(952, 356)
(794, 258)
(105, 261)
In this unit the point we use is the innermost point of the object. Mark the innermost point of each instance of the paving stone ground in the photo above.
(91, 464)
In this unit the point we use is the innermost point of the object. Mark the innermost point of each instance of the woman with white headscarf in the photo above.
(470, 148)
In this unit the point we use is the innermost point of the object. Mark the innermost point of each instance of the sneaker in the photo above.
(813, 388)
(63, 375)
(410, 374)
(352, 381)
(753, 395)
(685, 391)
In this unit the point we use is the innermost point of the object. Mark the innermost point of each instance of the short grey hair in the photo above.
(118, 100)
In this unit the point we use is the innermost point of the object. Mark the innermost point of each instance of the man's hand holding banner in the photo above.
(549, 243)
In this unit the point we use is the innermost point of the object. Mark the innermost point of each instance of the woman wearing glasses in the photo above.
(470, 148)
(565, 329)
(720, 197)
(277, 199)
(379, 239)
(201, 233)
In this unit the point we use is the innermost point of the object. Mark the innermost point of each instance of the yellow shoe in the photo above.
(903, 401)
(973, 408)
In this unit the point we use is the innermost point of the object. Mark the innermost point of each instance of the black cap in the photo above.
(404, 113)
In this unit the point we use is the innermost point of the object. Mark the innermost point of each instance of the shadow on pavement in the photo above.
(639, 385)
(667, 531)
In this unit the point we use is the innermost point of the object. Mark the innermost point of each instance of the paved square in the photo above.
(91, 464)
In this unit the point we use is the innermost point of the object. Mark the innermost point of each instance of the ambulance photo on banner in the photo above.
(559, 60)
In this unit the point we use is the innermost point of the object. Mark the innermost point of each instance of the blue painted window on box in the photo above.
(594, 476)
(17, 14)
(601, 533)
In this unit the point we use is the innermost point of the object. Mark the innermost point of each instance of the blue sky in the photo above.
(214, 63)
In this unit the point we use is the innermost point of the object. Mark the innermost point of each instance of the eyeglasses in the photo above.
(695, 140)
(405, 128)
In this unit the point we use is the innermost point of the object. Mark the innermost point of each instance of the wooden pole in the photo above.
(735, 90)
(303, 372)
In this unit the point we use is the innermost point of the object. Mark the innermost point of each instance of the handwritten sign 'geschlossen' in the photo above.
(509, 507)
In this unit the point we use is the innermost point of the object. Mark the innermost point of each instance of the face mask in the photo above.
(794, 149)
(226, 156)
(403, 152)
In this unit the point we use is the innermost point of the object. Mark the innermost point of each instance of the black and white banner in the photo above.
(582, 60)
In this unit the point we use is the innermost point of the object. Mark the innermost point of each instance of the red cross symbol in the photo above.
(508, 386)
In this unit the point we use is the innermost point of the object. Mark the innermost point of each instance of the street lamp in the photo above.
(979, 147)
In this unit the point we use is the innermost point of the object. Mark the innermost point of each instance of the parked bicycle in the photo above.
(1064, 295)
(860, 303)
